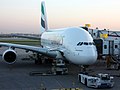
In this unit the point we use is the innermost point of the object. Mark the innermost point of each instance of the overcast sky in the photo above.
(23, 16)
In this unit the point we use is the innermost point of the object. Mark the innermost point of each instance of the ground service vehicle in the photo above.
(99, 81)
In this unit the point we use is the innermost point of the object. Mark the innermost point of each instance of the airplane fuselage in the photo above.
(72, 44)
(75, 43)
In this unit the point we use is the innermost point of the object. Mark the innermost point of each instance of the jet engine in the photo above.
(9, 56)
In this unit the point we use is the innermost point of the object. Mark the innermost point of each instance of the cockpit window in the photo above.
(93, 43)
(90, 43)
(80, 43)
(85, 43)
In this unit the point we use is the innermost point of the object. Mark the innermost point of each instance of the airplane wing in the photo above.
(36, 49)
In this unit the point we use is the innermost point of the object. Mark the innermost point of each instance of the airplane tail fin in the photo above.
(44, 26)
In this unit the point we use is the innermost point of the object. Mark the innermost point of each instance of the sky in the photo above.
(23, 16)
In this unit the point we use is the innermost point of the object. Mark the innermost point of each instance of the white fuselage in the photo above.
(76, 44)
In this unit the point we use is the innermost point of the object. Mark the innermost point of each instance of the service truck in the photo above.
(99, 81)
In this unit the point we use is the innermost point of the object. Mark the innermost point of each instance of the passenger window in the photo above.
(105, 46)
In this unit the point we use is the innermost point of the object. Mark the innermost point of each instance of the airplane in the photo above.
(73, 44)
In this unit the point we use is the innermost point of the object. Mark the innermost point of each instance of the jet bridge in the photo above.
(110, 49)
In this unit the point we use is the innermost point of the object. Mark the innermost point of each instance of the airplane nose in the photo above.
(91, 59)
(87, 56)
(91, 55)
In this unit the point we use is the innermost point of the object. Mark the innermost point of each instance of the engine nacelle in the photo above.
(9, 56)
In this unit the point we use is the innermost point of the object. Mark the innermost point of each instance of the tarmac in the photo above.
(17, 76)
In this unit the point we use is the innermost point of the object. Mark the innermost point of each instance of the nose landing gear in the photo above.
(83, 68)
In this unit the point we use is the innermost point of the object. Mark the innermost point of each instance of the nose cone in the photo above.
(86, 57)
(90, 56)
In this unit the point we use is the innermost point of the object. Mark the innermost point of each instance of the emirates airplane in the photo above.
(73, 44)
